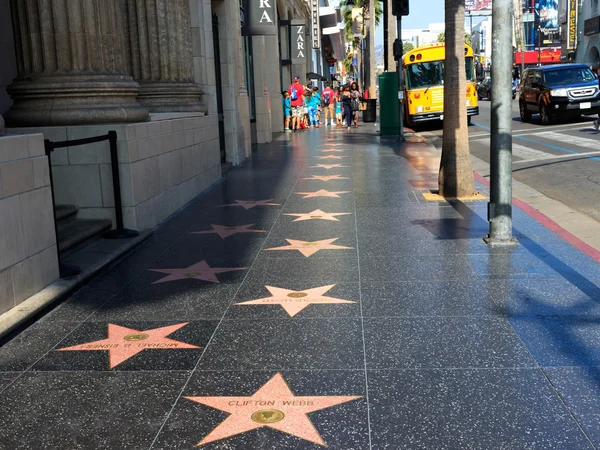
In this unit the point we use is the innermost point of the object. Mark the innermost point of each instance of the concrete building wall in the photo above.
(8, 63)
(28, 259)
(588, 47)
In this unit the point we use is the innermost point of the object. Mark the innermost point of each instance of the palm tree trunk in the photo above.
(456, 170)
(391, 37)
(370, 59)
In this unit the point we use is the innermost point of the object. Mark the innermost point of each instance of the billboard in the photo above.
(298, 40)
(546, 23)
(572, 17)
(478, 5)
(260, 18)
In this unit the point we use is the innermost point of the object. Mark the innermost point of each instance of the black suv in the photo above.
(564, 90)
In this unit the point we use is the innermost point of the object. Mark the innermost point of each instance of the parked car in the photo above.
(484, 90)
(558, 91)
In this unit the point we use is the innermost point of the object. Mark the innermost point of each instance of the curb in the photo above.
(61, 288)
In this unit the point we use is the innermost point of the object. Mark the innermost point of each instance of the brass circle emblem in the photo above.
(267, 416)
(297, 295)
(316, 217)
(192, 275)
(229, 228)
(251, 202)
(136, 337)
(310, 244)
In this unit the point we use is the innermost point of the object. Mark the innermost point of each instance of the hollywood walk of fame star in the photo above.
(122, 343)
(275, 406)
(327, 166)
(198, 271)
(295, 301)
(333, 150)
(317, 214)
(332, 157)
(224, 231)
(321, 193)
(249, 204)
(308, 248)
(326, 177)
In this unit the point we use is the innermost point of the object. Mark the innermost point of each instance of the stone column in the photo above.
(1, 126)
(72, 66)
(161, 47)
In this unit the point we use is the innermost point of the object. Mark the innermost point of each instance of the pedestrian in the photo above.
(347, 105)
(296, 91)
(338, 112)
(329, 103)
(287, 109)
(356, 97)
(597, 124)
(313, 101)
(339, 99)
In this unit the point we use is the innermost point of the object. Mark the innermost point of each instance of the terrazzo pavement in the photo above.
(440, 343)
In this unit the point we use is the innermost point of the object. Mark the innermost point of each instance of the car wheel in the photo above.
(545, 114)
(525, 115)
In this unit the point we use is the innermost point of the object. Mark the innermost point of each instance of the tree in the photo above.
(456, 170)
(468, 40)
(407, 47)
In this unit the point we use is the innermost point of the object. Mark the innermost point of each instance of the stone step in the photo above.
(65, 213)
(79, 233)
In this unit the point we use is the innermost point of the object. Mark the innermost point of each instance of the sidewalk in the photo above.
(315, 298)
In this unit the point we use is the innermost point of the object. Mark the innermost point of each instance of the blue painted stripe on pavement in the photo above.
(555, 147)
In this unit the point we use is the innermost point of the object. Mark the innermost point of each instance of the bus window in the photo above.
(422, 75)
(469, 68)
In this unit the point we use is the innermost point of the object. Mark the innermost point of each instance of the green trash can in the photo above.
(388, 103)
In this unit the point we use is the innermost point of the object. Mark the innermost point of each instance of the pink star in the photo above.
(198, 271)
(332, 150)
(274, 406)
(317, 215)
(123, 343)
(326, 177)
(332, 157)
(249, 204)
(295, 301)
(308, 248)
(328, 166)
(224, 231)
(321, 193)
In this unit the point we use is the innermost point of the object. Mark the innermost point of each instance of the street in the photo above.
(562, 161)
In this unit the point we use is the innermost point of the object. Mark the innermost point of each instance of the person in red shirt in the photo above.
(328, 98)
(296, 92)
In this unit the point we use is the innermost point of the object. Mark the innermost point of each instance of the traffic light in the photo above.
(398, 50)
(400, 7)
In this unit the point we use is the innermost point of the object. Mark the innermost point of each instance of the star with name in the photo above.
(327, 166)
(326, 177)
(295, 301)
(249, 204)
(224, 231)
(274, 406)
(308, 248)
(198, 271)
(333, 150)
(321, 193)
(317, 214)
(332, 157)
(123, 343)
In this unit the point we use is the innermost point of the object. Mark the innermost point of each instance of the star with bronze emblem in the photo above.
(275, 406)
(225, 231)
(198, 271)
(249, 204)
(295, 301)
(321, 193)
(327, 166)
(332, 157)
(308, 248)
(122, 343)
(317, 214)
(326, 177)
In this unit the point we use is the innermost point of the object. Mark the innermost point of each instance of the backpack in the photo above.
(294, 94)
(326, 99)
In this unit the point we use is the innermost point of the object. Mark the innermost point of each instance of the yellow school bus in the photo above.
(424, 84)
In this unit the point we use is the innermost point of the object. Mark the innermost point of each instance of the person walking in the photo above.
(329, 103)
(314, 100)
(356, 96)
(338, 111)
(287, 109)
(346, 99)
(296, 93)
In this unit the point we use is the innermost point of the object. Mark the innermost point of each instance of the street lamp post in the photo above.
(539, 45)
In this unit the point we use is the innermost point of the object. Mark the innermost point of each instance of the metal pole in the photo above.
(386, 42)
(539, 46)
(500, 208)
(400, 90)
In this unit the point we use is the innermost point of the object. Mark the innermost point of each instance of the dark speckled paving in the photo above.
(411, 334)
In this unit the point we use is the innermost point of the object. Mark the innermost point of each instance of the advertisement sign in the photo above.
(572, 37)
(592, 26)
(357, 22)
(260, 18)
(315, 24)
(478, 5)
(546, 23)
(563, 16)
(298, 40)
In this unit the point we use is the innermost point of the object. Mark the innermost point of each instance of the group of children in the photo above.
(312, 106)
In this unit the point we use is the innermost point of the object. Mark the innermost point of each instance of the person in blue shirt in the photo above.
(287, 109)
(338, 111)
(312, 103)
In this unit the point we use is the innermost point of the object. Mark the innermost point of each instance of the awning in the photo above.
(329, 18)
(315, 76)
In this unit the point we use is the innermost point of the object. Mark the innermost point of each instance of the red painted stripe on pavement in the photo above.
(549, 223)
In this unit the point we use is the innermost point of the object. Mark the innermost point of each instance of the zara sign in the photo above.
(298, 40)
(260, 18)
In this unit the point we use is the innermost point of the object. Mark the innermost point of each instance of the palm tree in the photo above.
(347, 6)
(456, 170)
